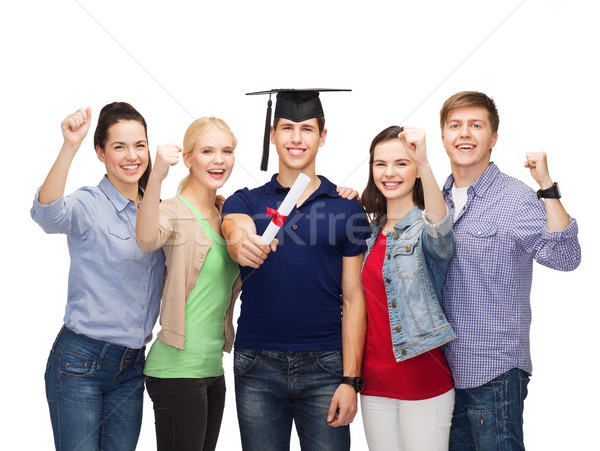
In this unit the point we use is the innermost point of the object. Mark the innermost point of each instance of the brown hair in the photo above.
(374, 202)
(470, 99)
(110, 115)
(320, 123)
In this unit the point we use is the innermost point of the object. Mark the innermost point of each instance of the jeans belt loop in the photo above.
(101, 356)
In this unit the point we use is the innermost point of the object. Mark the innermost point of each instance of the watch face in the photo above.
(359, 384)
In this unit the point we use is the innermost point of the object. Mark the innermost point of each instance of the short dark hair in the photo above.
(373, 200)
(112, 114)
(320, 123)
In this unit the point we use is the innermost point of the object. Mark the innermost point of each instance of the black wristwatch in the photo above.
(549, 193)
(357, 383)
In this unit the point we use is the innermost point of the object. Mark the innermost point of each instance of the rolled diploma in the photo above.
(286, 206)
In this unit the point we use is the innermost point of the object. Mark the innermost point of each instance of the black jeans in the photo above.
(187, 412)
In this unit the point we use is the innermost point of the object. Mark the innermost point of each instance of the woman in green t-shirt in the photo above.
(184, 371)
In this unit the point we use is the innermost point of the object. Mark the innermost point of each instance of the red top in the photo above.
(424, 376)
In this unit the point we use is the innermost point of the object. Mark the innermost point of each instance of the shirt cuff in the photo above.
(440, 228)
(49, 211)
(570, 232)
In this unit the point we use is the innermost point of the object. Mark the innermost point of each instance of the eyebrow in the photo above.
(123, 142)
(395, 161)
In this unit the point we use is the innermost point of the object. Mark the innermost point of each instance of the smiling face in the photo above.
(297, 143)
(468, 139)
(125, 155)
(394, 173)
(212, 159)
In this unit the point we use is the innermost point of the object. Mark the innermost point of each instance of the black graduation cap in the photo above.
(297, 105)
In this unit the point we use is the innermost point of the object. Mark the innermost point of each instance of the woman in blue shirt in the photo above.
(94, 376)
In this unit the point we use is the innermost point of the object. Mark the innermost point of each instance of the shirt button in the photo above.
(398, 329)
(479, 233)
(404, 352)
(464, 208)
(145, 288)
(294, 227)
(388, 280)
(147, 268)
(297, 211)
(396, 236)
(143, 307)
(139, 342)
(393, 304)
(139, 326)
(389, 256)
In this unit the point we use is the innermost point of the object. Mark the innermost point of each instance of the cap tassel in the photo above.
(267, 140)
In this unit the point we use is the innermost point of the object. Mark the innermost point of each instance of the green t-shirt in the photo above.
(204, 317)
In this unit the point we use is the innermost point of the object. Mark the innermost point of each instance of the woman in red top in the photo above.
(408, 396)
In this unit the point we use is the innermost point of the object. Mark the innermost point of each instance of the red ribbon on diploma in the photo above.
(278, 219)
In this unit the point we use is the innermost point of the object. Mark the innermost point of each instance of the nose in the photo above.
(131, 153)
(218, 157)
(389, 170)
(296, 135)
(464, 131)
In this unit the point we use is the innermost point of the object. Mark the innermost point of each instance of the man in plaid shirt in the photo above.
(500, 227)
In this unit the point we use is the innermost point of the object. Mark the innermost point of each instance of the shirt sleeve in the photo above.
(358, 230)
(238, 203)
(166, 227)
(72, 215)
(438, 239)
(556, 250)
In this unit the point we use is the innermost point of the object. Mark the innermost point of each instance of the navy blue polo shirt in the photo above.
(293, 301)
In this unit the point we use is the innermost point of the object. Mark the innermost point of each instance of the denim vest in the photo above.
(414, 270)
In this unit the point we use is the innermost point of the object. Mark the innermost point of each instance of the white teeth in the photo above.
(391, 183)
(465, 146)
(131, 168)
(217, 171)
(296, 151)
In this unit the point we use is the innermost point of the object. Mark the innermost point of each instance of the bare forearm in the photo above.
(435, 208)
(54, 185)
(354, 331)
(147, 225)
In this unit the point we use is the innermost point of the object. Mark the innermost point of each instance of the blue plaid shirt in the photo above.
(499, 233)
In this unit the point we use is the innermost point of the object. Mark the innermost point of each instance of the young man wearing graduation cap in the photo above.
(301, 330)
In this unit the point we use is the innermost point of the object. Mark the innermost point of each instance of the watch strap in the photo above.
(549, 193)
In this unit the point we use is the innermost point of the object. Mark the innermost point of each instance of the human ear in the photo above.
(100, 154)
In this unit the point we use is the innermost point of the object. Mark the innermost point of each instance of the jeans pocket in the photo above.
(331, 362)
(244, 360)
(74, 365)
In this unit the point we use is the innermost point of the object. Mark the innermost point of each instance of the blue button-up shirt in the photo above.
(293, 301)
(499, 233)
(114, 287)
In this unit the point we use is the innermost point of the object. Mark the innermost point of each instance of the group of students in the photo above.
(425, 310)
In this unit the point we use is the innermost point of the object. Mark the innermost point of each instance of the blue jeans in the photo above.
(95, 392)
(490, 417)
(274, 389)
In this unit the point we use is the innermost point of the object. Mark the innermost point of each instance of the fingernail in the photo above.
(329, 419)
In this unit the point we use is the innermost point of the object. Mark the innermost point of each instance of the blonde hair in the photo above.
(193, 133)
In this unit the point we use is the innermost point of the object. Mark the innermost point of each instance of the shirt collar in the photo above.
(480, 185)
(118, 200)
(326, 187)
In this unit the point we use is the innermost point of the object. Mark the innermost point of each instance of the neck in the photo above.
(465, 176)
(129, 191)
(288, 176)
(200, 196)
(397, 209)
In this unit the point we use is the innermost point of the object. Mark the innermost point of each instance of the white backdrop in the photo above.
(181, 60)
